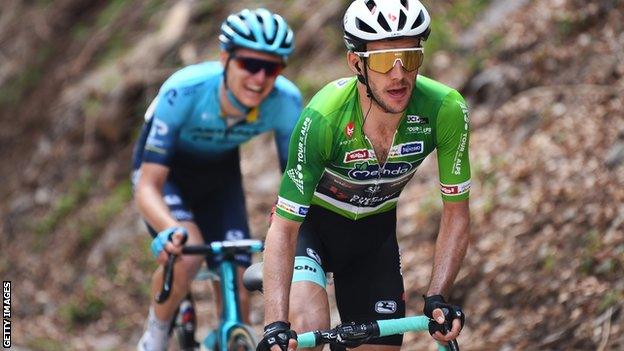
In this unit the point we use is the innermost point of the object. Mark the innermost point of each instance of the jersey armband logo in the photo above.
(292, 207)
(455, 189)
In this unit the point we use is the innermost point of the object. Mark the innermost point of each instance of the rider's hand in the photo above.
(169, 241)
(278, 337)
(446, 320)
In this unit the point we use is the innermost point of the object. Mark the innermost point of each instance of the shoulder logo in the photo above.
(342, 82)
(296, 175)
(349, 129)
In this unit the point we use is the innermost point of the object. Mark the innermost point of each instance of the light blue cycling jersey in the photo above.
(187, 125)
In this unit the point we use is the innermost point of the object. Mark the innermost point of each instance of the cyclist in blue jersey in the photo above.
(187, 174)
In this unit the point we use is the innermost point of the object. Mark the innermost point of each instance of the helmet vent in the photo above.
(383, 23)
(402, 20)
(361, 25)
(371, 5)
(249, 36)
(419, 20)
(404, 3)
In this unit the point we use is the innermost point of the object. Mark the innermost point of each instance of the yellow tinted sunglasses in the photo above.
(382, 61)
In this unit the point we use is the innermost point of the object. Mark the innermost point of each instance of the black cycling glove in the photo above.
(451, 312)
(276, 333)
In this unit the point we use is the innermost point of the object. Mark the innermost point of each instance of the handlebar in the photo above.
(362, 331)
(226, 248)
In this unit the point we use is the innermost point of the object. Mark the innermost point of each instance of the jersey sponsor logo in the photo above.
(342, 82)
(314, 255)
(155, 137)
(182, 215)
(170, 95)
(291, 207)
(417, 119)
(455, 189)
(172, 199)
(349, 130)
(305, 267)
(464, 109)
(364, 171)
(457, 162)
(303, 140)
(296, 175)
(234, 234)
(419, 130)
(348, 141)
(405, 149)
(358, 155)
(386, 307)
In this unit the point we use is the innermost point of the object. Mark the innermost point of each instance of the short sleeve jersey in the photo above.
(188, 125)
(332, 163)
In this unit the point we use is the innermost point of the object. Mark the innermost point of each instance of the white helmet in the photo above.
(372, 20)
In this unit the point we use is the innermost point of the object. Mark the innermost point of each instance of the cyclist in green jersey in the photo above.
(355, 147)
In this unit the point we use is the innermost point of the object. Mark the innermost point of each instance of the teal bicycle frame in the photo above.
(231, 329)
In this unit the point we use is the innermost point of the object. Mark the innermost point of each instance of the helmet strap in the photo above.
(228, 93)
(369, 92)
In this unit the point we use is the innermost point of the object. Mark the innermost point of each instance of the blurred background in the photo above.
(544, 81)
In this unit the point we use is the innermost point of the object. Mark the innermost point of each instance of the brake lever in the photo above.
(167, 280)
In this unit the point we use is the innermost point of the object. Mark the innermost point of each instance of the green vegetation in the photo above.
(77, 193)
(114, 10)
(610, 299)
(84, 307)
(48, 344)
(28, 78)
(91, 228)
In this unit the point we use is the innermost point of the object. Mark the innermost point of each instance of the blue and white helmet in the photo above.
(258, 30)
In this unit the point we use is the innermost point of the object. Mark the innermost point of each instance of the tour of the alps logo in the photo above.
(364, 171)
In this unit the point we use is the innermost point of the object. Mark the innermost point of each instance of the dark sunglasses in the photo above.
(253, 65)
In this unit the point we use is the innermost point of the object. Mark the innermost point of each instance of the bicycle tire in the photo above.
(241, 339)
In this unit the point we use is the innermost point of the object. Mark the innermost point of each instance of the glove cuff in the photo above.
(431, 303)
(276, 326)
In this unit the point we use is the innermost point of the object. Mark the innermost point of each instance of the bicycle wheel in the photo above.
(241, 339)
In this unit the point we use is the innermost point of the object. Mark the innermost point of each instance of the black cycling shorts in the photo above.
(210, 194)
(364, 258)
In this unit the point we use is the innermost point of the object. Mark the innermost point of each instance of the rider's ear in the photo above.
(354, 64)
(360, 77)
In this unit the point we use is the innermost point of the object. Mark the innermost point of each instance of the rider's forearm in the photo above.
(279, 256)
(450, 248)
(152, 207)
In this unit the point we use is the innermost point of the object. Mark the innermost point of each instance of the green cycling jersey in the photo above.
(331, 162)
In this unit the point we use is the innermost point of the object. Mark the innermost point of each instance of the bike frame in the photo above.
(230, 313)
